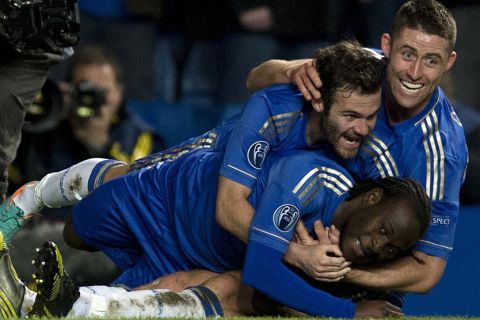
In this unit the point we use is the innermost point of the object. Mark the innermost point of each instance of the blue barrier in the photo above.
(175, 122)
(457, 293)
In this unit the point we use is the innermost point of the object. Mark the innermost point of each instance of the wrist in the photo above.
(292, 255)
(351, 276)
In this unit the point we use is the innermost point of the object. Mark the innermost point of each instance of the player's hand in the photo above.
(377, 309)
(302, 236)
(334, 235)
(320, 259)
(325, 235)
(324, 263)
(306, 78)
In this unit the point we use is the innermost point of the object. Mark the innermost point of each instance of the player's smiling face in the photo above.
(350, 120)
(379, 232)
(417, 61)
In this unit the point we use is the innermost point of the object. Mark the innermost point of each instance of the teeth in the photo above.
(411, 86)
(357, 242)
(350, 140)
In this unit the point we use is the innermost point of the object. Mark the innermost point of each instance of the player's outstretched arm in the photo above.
(417, 273)
(233, 211)
(322, 260)
(273, 72)
(301, 73)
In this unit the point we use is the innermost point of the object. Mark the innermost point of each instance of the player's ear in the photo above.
(386, 43)
(451, 60)
(373, 196)
(318, 105)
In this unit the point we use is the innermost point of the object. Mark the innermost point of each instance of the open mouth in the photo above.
(350, 140)
(411, 87)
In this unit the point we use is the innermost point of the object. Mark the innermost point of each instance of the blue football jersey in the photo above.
(429, 148)
(273, 119)
(161, 219)
(292, 185)
(300, 185)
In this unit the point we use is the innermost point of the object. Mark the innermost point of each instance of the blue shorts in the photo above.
(133, 227)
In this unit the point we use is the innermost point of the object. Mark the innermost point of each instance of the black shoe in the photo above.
(12, 290)
(56, 291)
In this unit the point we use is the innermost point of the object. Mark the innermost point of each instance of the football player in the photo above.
(417, 135)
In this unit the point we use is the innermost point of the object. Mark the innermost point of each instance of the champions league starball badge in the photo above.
(285, 217)
(257, 153)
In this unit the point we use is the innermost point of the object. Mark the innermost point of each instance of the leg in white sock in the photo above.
(69, 186)
(99, 302)
(56, 189)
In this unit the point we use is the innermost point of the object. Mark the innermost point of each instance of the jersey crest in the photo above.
(285, 217)
(257, 153)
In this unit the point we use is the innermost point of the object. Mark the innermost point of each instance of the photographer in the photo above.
(96, 122)
(32, 35)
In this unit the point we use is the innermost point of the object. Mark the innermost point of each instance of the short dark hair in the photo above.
(429, 16)
(399, 189)
(347, 66)
(93, 55)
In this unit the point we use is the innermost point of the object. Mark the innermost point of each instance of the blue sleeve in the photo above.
(439, 238)
(301, 185)
(265, 122)
(247, 148)
(439, 164)
(265, 271)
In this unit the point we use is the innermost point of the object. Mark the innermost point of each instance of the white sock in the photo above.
(28, 300)
(93, 301)
(69, 186)
(161, 303)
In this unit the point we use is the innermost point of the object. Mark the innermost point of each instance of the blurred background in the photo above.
(148, 74)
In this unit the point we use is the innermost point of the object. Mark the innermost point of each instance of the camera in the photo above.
(46, 24)
(47, 109)
(87, 100)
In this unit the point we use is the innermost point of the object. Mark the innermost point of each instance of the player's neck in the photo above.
(315, 133)
(397, 113)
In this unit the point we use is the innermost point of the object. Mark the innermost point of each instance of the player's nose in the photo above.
(362, 128)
